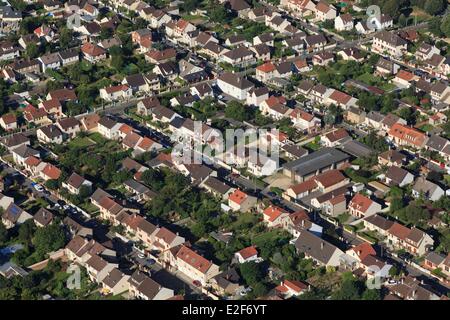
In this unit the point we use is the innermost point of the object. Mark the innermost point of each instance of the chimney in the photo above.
(303, 223)
(322, 245)
(359, 252)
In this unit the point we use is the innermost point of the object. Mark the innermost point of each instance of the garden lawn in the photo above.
(79, 142)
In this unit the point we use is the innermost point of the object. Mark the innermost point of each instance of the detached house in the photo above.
(240, 201)
(98, 268)
(14, 215)
(325, 11)
(109, 128)
(53, 107)
(274, 216)
(145, 288)
(92, 52)
(239, 57)
(428, 189)
(396, 176)
(361, 206)
(115, 93)
(335, 138)
(50, 134)
(234, 85)
(320, 251)
(247, 254)
(75, 182)
(8, 122)
(50, 172)
(343, 22)
(69, 126)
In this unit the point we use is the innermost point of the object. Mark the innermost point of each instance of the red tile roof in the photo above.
(9, 118)
(407, 134)
(194, 259)
(363, 250)
(405, 75)
(146, 143)
(266, 67)
(237, 196)
(330, 178)
(399, 231)
(360, 203)
(304, 186)
(51, 171)
(337, 135)
(92, 49)
(340, 97)
(32, 161)
(273, 212)
(248, 252)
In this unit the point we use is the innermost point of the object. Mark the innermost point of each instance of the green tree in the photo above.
(396, 204)
(434, 7)
(3, 233)
(85, 191)
(371, 294)
(393, 271)
(445, 25)
(219, 14)
(236, 110)
(251, 272)
(52, 184)
(350, 289)
(49, 238)
(33, 50)
(26, 231)
(392, 7)
(65, 37)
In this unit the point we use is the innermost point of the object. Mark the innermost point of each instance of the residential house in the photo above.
(428, 189)
(14, 215)
(396, 176)
(389, 43)
(8, 122)
(92, 52)
(407, 136)
(195, 266)
(50, 134)
(335, 138)
(343, 22)
(413, 240)
(75, 182)
(240, 201)
(234, 85)
(247, 255)
(69, 126)
(317, 249)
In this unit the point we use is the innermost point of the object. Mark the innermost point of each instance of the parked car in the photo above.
(38, 187)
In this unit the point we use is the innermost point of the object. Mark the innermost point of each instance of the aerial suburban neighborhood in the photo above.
(224, 150)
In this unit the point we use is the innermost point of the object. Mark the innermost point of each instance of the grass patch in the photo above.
(88, 207)
(426, 127)
(98, 138)
(368, 236)
(343, 218)
(81, 142)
